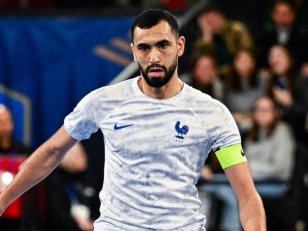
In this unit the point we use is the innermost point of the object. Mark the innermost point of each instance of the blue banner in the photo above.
(54, 62)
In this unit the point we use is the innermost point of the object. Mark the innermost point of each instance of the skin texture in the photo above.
(160, 47)
(6, 127)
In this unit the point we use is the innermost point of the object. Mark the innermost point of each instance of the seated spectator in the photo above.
(290, 91)
(68, 193)
(244, 84)
(285, 31)
(213, 183)
(220, 37)
(204, 77)
(16, 219)
(270, 150)
(269, 133)
(281, 73)
(8, 145)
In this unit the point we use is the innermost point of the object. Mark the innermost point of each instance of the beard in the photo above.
(159, 82)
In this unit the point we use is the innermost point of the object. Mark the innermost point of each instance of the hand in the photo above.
(205, 28)
(283, 96)
(206, 173)
(85, 224)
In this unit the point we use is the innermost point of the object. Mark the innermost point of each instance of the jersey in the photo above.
(155, 150)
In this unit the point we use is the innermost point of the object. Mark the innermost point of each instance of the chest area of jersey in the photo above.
(154, 125)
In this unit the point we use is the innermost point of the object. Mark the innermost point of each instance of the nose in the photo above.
(154, 55)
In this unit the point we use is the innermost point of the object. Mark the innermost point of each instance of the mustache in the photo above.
(155, 65)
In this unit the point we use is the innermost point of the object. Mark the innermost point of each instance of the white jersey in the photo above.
(155, 150)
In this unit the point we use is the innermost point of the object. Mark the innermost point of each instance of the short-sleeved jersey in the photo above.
(155, 150)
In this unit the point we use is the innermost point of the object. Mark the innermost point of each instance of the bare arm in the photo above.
(39, 165)
(251, 209)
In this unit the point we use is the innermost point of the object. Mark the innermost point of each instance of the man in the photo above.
(157, 132)
(12, 154)
(8, 145)
(285, 31)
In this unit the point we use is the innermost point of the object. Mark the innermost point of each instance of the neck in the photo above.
(172, 88)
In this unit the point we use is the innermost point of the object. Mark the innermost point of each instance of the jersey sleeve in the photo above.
(225, 138)
(82, 121)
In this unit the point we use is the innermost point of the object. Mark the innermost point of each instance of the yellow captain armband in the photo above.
(230, 155)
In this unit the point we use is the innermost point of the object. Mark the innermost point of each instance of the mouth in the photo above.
(156, 72)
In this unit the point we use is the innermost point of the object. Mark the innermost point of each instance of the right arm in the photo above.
(39, 165)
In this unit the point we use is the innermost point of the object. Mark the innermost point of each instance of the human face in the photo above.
(283, 15)
(156, 51)
(6, 124)
(265, 112)
(244, 64)
(205, 71)
(279, 60)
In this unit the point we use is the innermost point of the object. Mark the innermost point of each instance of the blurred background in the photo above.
(54, 52)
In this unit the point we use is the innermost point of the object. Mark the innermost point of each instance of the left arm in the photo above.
(251, 209)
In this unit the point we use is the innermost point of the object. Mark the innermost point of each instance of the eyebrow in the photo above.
(157, 43)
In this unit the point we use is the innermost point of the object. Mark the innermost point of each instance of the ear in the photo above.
(181, 45)
(133, 50)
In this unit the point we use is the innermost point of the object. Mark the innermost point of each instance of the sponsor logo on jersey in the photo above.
(118, 127)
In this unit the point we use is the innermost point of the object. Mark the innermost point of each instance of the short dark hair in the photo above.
(152, 17)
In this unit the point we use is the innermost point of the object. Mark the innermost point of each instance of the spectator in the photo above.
(15, 219)
(214, 184)
(280, 69)
(204, 77)
(67, 194)
(8, 145)
(290, 92)
(281, 73)
(284, 31)
(220, 36)
(270, 149)
(269, 133)
(294, 105)
(244, 84)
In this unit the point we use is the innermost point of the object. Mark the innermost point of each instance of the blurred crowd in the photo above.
(262, 79)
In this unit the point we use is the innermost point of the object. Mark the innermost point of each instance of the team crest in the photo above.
(181, 130)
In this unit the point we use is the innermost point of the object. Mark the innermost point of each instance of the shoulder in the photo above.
(205, 106)
(198, 97)
(122, 88)
(118, 91)
(283, 127)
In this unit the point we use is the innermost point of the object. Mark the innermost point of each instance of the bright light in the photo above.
(6, 178)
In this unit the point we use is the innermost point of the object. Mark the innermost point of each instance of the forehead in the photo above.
(160, 31)
(205, 60)
(5, 114)
(283, 7)
(264, 102)
(277, 50)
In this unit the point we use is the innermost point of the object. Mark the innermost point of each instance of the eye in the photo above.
(163, 44)
(143, 47)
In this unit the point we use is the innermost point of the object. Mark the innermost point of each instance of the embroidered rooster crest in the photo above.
(181, 130)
